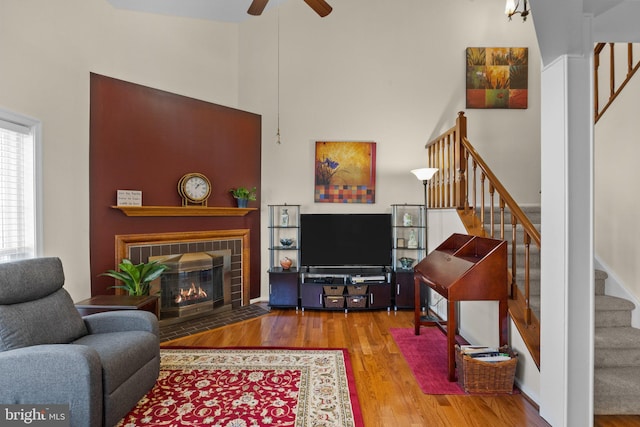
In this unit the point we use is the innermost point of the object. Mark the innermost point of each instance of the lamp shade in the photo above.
(424, 174)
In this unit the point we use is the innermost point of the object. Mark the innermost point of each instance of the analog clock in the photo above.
(194, 188)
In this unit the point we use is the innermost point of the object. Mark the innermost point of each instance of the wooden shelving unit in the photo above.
(182, 211)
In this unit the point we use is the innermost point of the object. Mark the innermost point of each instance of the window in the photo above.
(19, 219)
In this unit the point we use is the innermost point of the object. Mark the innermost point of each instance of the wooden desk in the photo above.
(465, 268)
(102, 303)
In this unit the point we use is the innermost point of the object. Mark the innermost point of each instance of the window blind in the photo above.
(17, 192)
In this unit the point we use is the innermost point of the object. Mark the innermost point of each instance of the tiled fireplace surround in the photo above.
(139, 247)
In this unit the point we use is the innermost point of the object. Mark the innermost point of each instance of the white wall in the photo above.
(48, 50)
(616, 168)
(393, 75)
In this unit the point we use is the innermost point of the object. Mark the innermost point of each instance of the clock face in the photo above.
(194, 187)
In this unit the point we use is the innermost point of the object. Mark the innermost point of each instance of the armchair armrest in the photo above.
(54, 374)
(122, 320)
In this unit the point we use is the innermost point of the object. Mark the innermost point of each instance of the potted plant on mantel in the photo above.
(243, 195)
(136, 278)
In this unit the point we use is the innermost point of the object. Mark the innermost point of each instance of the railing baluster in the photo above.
(501, 218)
(474, 196)
(596, 65)
(527, 290)
(612, 70)
(514, 254)
(492, 191)
(450, 176)
(468, 204)
(482, 204)
(632, 67)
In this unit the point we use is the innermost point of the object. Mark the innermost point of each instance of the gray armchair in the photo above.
(100, 365)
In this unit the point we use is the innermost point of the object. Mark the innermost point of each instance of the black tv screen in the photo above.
(335, 240)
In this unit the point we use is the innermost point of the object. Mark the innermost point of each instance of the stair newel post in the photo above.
(596, 65)
(460, 160)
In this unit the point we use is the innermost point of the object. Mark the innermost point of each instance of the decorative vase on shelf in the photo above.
(284, 218)
(413, 241)
(242, 203)
(286, 263)
(407, 221)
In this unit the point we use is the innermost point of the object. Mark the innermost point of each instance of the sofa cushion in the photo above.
(29, 279)
(53, 319)
(121, 354)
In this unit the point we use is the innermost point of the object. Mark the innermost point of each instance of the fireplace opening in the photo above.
(194, 283)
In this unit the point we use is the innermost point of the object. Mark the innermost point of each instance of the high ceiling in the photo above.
(215, 10)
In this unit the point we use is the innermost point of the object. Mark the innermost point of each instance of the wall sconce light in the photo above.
(511, 8)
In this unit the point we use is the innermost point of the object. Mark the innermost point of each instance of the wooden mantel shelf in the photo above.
(182, 211)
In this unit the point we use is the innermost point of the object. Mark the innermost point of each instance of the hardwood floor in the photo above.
(387, 390)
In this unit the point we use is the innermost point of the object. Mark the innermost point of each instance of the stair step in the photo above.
(612, 311)
(616, 347)
(616, 391)
(611, 303)
(532, 212)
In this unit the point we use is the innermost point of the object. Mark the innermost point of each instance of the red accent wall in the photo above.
(146, 139)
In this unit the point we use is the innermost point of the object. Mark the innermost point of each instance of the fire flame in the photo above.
(193, 292)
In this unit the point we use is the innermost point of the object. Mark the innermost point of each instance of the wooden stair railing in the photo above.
(463, 175)
(614, 90)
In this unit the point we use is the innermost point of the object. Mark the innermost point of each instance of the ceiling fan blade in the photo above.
(257, 6)
(321, 7)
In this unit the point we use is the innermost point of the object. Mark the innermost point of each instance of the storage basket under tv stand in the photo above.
(345, 288)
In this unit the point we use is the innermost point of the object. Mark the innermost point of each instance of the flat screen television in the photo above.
(345, 240)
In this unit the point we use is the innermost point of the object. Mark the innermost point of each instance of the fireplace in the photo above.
(211, 263)
(195, 282)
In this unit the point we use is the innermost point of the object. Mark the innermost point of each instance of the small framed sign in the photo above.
(129, 198)
(401, 243)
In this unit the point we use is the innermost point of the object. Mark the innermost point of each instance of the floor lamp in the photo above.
(424, 175)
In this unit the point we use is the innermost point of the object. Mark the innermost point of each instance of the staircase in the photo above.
(465, 182)
(616, 342)
(616, 356)
(533, 213)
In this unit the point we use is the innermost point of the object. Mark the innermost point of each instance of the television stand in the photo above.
(345, 288)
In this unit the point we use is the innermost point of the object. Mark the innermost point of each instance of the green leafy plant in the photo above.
(136, 278)
(243, 193)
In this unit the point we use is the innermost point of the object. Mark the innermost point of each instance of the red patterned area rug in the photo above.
(426, 354)
(242, 387)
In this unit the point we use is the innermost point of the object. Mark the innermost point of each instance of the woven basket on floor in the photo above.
(476, 376)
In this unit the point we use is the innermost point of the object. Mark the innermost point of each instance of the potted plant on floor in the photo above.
(243, 195)
(136, 278)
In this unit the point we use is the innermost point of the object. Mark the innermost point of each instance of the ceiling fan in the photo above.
(321, 7)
